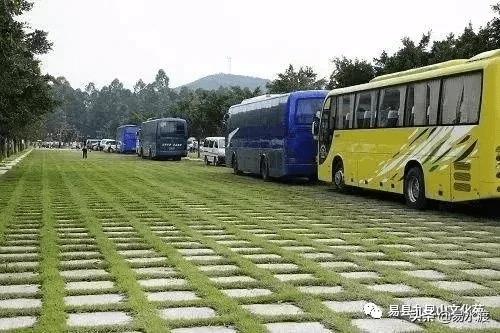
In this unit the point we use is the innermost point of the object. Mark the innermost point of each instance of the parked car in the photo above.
(110, 146)
(103, 143)
(213, 150)
(91, 143)
(192, 145)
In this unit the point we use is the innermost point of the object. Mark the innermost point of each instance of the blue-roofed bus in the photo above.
(271, 135)
(126, 138)
(163, 138)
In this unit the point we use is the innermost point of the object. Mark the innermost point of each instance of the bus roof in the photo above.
(300, 93)
(164, 119)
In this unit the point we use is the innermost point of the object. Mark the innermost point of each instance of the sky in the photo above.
(102, 40)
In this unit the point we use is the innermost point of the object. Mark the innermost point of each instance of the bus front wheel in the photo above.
(338, 176)
(414, 188)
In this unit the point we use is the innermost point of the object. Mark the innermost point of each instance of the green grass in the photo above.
(54, 189)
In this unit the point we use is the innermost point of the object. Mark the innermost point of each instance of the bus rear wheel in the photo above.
(414, 188)
(338, 176)
(206, 160)
(264, 169)
(235, 166)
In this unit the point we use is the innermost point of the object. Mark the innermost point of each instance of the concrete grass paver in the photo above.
(386, 325)
(426, 274)
(89, 285)
(346, 306)
(89, 319)
(20, 303)
(275, 309)
(155, 283)
(25, 289)
(172, 296)
(11, 323)
(187, 313)
(457, 285)
(83, 300)
(205, 329)
(309, 327)
(256, 292)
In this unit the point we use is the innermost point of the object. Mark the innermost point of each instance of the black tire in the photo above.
(264, 169)
(338, 179)
(216, 160)
(206, 160)
(235, 166)
(414, 189)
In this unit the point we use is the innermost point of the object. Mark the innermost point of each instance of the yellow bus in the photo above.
(428, 133)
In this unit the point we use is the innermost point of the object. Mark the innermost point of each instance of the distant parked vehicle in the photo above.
(91, 143)
(192, 145)
(110, 146)
(103, 143)
(163, 138)
(214, 150)
(126, 137)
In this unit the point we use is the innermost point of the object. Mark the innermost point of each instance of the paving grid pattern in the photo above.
(114, 243)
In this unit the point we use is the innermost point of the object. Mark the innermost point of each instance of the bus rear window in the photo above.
(171, 128)
(306, 109)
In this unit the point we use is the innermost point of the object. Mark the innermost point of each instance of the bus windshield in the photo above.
(306, 109)
(169, 128)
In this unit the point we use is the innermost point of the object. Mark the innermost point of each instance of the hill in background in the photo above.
(213, 82)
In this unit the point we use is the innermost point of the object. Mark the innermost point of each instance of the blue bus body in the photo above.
(126, 138)
(163, 138)
(271, 134)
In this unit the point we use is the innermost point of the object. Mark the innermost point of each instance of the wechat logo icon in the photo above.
(372, 310)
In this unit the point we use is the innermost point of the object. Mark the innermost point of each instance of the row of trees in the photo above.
(96, 114)
(31, 103)
(25, 94)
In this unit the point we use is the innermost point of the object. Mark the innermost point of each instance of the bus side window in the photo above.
(333, 113)
(365, 109)
(460, 99)
(389, 107)
(426, 100)
(216, 145)
(346, 109)
(410, 106)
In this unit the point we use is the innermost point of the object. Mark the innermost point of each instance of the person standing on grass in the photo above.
(84, 150)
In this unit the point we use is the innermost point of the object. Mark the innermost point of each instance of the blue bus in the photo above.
(271, 135)
(163, 138)
(126, 137)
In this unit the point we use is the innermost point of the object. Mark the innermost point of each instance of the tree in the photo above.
(304, 79)
(350, 72)
(25, 94)
(408, 57)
